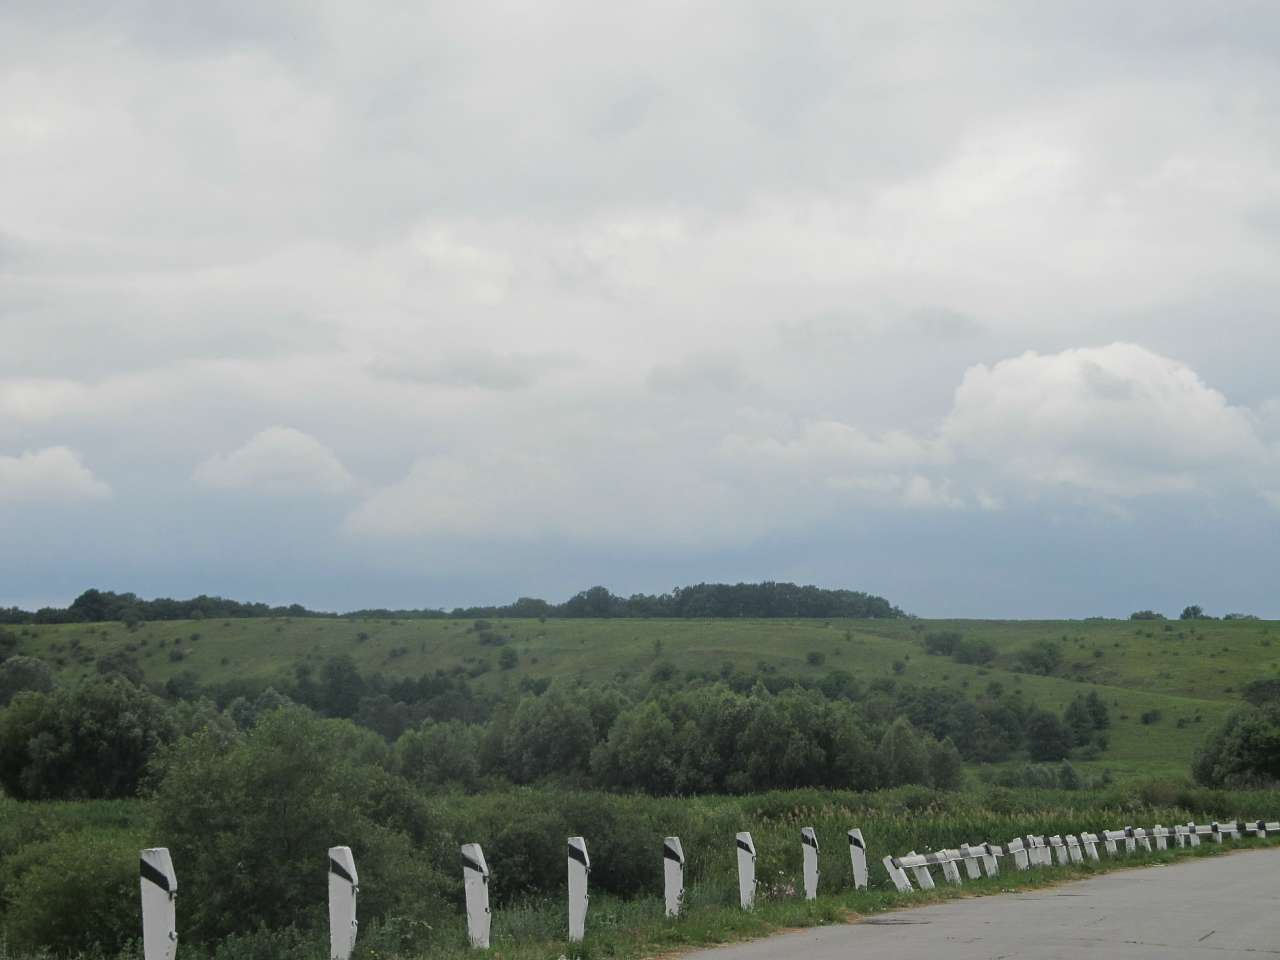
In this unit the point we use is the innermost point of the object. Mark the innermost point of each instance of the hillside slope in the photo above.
(1184, 676)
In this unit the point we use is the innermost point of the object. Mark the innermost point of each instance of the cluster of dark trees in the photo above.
(726, 731)
(756, 600)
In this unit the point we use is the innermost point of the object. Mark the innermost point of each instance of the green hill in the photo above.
(1166, 683)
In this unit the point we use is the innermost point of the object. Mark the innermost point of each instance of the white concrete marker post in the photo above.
(159, 905)
(475, 884)
(1162, 837)
(1109, 838)
(1090, 843)
(579, 870)
(858, 856)
(1059, 848)
(971, 855)
(344, 885)
(948, 860)
(989, 855)
(1193, 835)
(1074, 853)
(746, 871)
(809, 851)
(896, 874)
(673, 875)
(1018, 851)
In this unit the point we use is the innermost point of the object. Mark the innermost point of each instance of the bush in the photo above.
(1150, 717)
(75, 892)
(24, 673)
(1043, 657)
(942, 644)
(815, 658)
(1243, 752)
(92, 741)
(974, 651)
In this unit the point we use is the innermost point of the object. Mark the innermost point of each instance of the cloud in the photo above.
(1119, 420)
(52, 475)
(279, 460)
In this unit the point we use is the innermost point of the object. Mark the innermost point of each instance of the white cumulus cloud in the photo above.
(1118, 420)
(54, 474)
(279, 460)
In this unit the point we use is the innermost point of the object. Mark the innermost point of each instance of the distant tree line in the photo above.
(754, 600)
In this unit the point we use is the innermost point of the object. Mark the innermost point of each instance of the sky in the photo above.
(973, 305)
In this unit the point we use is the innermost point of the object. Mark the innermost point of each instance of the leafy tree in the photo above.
(1261, 692)
(1193, 612)
(946, 769)
(1243, 752)
(1048, 738)
(902, 755)
(24, 673)
(251, 824)
(121, 664)
(440, 754)
(641, 752)
(1043, 657)
(1146, 615)
(94, 740)
(550, 735)
(74, 893)
(974, 651)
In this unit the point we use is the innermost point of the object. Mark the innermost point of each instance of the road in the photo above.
(1214, 908)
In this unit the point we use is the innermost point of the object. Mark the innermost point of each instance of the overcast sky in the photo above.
(972, 305)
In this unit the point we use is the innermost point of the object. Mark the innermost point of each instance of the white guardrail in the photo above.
(160, 883)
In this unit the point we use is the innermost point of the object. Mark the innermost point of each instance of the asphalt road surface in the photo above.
(1216, 908)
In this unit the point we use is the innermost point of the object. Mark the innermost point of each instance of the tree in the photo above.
(24, 673)
(440, 754)
(902, 755)
(1244, 752)
(640, 753)
(550, 735)
(1048, 738)
(1193, 612)
(946, 769)
(1146, 615)
(91, 741)
(250, 825)
(1043, 657)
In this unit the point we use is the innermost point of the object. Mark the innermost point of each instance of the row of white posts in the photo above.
(1038, 851)
(160, 883)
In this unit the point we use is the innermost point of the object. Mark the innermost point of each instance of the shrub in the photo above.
(1150, 717)
(24, 673)
(1243, 752)
(1043, 657)
(75, 892)
(250, 824)
(92, 741)
(815, 658)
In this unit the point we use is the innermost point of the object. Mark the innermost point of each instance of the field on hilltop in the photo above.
(1166, 682)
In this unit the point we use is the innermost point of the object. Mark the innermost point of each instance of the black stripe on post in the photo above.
(669, 853)
(340, 870)
(743, 845)
(577, 853)
(470, 864)
(809, 841)
(155, 876)
(855, 842)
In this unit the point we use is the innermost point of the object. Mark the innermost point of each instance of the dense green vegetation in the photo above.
(723, 600)
(246, 745)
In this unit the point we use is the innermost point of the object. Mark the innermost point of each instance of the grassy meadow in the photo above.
(1187, 673)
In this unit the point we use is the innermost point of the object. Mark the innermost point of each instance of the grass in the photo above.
(1189, 672)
